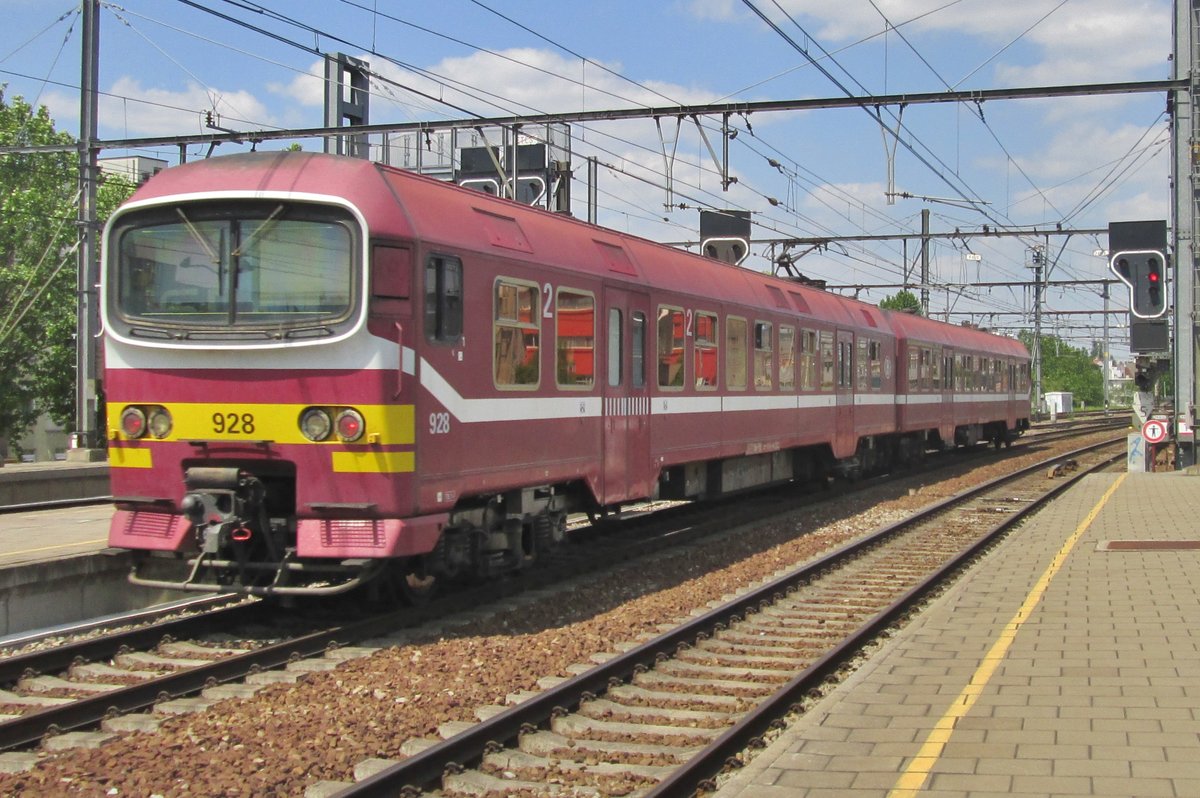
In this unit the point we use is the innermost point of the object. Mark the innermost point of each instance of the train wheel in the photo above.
(403, 583)
(417, 588)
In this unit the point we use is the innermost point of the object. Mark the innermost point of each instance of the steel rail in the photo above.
(89, 711)
(54, 504)
(748, 731)
(31, 727)
(99, 648)
(424, 769)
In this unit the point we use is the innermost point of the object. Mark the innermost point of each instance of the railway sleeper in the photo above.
(629, 694)
(691, 683)
(527, 764)
(605, 709)
(552, 744)
(476, 783)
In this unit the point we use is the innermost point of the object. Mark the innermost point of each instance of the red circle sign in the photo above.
(1154, 431)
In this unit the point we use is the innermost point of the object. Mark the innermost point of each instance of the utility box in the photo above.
(1060, 403)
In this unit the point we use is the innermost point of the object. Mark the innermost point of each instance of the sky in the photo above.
(1079, 162)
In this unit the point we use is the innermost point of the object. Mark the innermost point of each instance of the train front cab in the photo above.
(260, 421)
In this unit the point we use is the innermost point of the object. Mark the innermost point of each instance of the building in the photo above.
(137, 169)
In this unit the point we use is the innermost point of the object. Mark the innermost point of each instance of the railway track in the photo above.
(664, 718)
(186, 663)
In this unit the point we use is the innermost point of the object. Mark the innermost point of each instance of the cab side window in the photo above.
(443, 298)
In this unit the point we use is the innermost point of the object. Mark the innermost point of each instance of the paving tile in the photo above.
(1098, 694)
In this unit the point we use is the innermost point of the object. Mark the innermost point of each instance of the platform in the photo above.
(56, 568)
(26, 483)
(1060, 665)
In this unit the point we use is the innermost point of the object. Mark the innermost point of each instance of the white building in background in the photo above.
(137, 169)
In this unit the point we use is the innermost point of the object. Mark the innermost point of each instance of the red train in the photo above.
(322, 372)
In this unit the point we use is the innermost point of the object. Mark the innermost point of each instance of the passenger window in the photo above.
(874, 352)
(670, 347)
(827, 361)
(808, 360)
(443, 299)
(764, 356)
(637, 348)
(517, 335)
(706, 350)
(735, 354)
(861, 379)
(615, 347)
(575, 339)
(787, 358)
(845, 363)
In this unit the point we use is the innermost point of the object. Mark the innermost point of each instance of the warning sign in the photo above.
(1154, 431)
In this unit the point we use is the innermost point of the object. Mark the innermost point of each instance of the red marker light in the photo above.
(350, 425)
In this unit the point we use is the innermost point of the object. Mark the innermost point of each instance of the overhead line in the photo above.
(708, 109)
(956, 234)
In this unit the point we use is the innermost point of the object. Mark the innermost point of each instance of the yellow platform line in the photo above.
(913, 778)
(53, 548)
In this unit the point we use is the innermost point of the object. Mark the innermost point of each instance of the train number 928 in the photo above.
(233, 423)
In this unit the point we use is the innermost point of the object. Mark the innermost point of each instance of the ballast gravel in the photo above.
(290, 735)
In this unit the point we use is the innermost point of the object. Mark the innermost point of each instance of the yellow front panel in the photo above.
(277, 423)
(371, 462)
(119, 457)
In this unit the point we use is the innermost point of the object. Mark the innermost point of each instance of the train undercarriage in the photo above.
(245, 540)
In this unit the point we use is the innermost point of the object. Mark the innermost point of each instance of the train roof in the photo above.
(937, 332)
(433, 212)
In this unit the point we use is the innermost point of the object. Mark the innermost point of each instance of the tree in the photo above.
(39, 201)
(905, 301)
(1068, 368)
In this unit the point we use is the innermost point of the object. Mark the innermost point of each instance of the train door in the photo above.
(845, 439)
(627, 471)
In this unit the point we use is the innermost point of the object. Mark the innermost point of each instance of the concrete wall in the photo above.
(71, 589)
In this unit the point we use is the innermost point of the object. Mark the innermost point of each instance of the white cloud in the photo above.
(1083, 159)
(128, 108)
(1085, 41)
(307, 89)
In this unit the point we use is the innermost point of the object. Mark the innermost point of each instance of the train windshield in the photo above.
(258, 267)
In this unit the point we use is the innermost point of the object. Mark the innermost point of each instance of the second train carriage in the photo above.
(319, 367)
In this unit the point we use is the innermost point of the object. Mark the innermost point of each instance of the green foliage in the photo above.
(1068, 368)
(38, 236)
(905, 301)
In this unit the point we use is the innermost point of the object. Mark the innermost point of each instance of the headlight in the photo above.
(316, 424)
(350, 425)
(133, 422)
(159, 421)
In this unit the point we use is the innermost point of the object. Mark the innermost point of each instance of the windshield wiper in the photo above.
(199, 237)
(267, 224)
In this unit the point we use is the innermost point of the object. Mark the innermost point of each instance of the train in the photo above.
(323, 373)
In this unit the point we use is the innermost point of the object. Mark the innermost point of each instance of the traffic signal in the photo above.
(725, 235)
(1143, 270)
